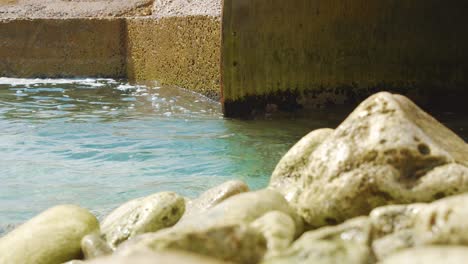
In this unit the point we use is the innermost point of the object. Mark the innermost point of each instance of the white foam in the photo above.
(99, 82)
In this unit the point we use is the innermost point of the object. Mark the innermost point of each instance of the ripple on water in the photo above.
(101, 142)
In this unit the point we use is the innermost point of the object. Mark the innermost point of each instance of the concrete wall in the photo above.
(62, 47)
(182, 51)
(277, 51)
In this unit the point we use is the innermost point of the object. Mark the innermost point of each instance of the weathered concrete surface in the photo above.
(177, 44)
(287, 53)
(182, 51)
(62, 47)
(170, 8)
(14, 9)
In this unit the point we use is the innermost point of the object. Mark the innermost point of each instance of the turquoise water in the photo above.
(101, 142)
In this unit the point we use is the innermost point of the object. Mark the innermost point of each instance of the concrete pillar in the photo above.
(300, 53)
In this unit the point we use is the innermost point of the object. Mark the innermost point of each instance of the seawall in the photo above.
(311, 53)
(182, 51)
(261, 56)
(62, 48)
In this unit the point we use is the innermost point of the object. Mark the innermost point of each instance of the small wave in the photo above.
(93, 82)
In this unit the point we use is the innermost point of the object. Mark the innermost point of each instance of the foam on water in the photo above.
(100, 142)
(36, 82)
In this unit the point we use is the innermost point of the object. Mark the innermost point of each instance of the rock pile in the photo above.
(387, 186)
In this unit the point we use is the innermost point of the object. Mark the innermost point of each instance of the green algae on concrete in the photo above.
(51, 237)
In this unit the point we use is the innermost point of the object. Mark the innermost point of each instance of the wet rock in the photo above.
(430, 255)
(51, 237)
(392, 228)
(399, 227)
(75, 262)
(394, 218)
(388, 151)
(213, 197)
(243, 209)
(288, 171)
(278, 229)
(94, 245)
(143, 215)
(443, 222)
(166, 257)
(392, 243)
(238, 243)
(345, 243)
(223, 231)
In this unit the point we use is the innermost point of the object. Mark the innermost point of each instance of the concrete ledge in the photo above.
(62, 48)
(182, 51)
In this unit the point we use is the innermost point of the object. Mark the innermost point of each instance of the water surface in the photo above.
(101, 142)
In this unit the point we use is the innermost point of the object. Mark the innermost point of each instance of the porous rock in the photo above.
(278, 229)
(392, 228)
(244, 208)
(165, 257)
(51, 237)
(75, 261)
(399, 227)
(212, 197)
(443, 222)
(223, 231)
(143, 215)
(237, 243)
(287, 173)
(388, 151)
(345, 243)
(394, 218)
(392, 243)
(430, 255)
(94, 245)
